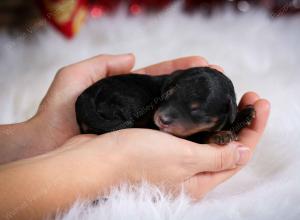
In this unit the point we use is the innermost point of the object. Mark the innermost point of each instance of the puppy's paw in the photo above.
(222, 137)
(248, 114)
(243, 119)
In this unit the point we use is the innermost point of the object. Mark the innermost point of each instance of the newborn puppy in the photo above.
(198, 104)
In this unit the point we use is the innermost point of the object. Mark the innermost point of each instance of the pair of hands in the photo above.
(140, 154)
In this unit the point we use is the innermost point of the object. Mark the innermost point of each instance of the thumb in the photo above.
(97, 67)
(216, 158)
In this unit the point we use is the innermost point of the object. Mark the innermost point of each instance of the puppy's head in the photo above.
(195, 100)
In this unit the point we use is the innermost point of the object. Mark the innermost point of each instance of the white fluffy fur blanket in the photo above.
(258, 52)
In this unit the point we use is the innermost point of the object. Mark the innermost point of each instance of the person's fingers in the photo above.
(251, 135)
(204, 182)
(223, 160)
(211, 158)
(99, 67)
(217, 67)
(249, 98)
(172, 65)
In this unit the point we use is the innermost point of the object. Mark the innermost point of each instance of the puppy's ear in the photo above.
(232, 109)
(170, 80)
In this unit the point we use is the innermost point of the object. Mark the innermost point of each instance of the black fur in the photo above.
(183, 103)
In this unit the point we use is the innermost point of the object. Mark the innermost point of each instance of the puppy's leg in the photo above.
(243, 119)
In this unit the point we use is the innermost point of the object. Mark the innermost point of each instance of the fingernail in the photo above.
(244, 155)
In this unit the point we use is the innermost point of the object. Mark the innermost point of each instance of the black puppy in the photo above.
(198, 104)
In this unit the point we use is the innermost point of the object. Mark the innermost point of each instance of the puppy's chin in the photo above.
(173, 131)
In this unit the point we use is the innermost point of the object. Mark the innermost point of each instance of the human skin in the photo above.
(86, 165)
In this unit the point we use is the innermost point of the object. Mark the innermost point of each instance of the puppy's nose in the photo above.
(165, 119)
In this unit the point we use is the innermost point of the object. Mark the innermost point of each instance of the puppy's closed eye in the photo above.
(195, 106)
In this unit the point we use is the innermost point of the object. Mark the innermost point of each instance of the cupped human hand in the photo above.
(201, 183)
(136, 155)
(56, 116)
(170, 162)
(56, 119)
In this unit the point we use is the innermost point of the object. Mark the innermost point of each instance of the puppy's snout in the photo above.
(165, 120)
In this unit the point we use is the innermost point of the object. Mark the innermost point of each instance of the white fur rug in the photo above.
(259, 53)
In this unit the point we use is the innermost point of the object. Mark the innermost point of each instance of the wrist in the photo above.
(15, 141)
(40, 136)
(22, 140)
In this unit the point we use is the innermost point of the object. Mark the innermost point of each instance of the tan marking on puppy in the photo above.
(195, 105)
